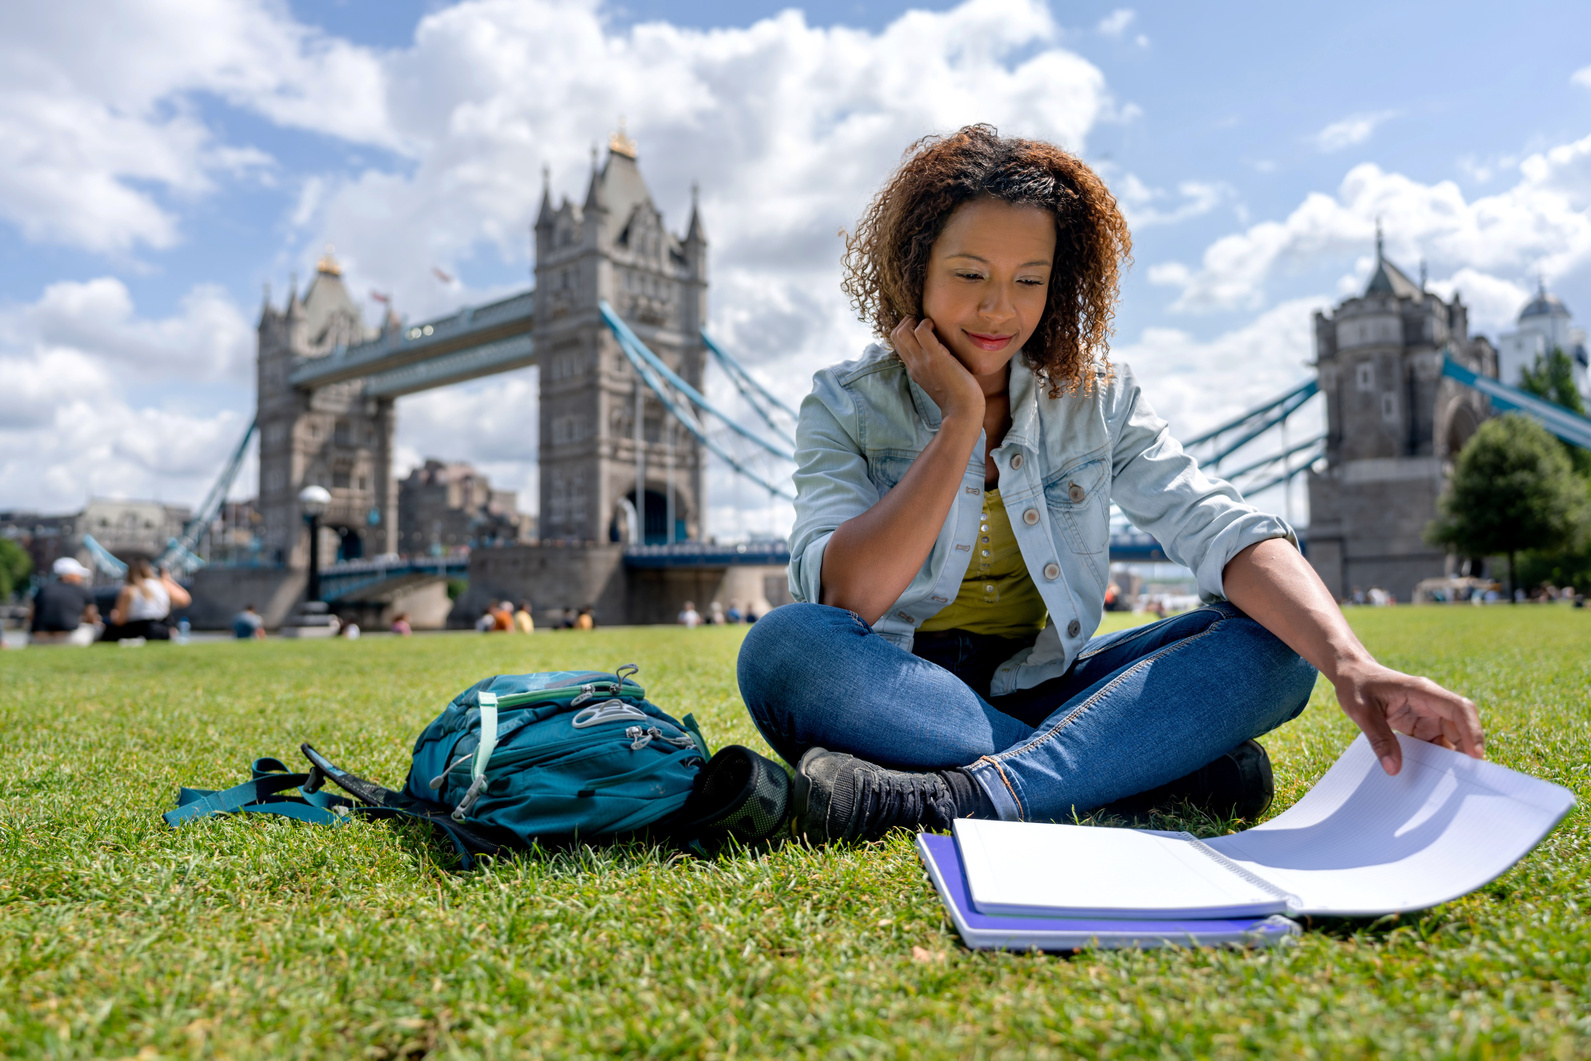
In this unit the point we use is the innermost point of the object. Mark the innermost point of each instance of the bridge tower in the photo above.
(1393, 426)
(332, 436)
(614, 247)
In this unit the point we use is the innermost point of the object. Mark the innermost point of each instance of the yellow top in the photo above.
(997, 595)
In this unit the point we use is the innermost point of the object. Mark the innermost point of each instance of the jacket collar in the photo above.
(1024, 393)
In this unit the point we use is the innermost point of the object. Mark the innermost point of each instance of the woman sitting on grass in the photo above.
(952, 539)
(144, 604)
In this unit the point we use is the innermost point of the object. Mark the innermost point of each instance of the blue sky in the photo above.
(158, 170)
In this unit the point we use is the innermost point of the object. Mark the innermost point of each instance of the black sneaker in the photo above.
(1238, 784)
(840, 797)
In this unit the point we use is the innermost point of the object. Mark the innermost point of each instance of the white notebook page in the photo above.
(1361, 843)
(1032, 868)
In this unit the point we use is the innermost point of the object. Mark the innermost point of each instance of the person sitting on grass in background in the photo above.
(248, 624)
(524, 623)
(689, 617)
(63, 611)
(587, 619)
(488, 620)
(144, 604)
(951, 545)
(400, 624)
(502, 616)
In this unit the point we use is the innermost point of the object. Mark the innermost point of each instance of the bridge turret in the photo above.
(1393, 425)
(544, 215)
(616, 247)
(696, 236)
(595, 201)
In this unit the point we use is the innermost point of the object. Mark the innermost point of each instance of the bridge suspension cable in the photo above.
(180, 551)
(1555, 418)
(653, 372)
(749, 387)
(1266, 462)
(1302, 393)
(630, 341)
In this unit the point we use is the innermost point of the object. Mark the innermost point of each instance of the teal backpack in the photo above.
(557, 755)
(520, 758)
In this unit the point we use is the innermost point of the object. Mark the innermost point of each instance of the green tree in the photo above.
(1570, 566)
(15, 567)
(1552, 378)
(1512, 490)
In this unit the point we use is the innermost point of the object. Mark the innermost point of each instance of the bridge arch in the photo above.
(653, 516)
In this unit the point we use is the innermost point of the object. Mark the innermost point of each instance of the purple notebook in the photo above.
(999, 931)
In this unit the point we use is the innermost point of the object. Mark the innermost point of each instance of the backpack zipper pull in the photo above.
(441, 779)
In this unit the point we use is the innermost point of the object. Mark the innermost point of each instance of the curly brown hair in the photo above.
(886, 258)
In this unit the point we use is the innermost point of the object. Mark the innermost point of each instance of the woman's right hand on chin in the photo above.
(935, 369)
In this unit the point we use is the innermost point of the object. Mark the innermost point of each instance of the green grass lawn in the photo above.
(239, 938)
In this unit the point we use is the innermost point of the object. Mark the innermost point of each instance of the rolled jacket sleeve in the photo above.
(831, 480)
(1200, 521)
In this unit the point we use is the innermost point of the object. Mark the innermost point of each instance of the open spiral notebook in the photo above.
(1359, 843)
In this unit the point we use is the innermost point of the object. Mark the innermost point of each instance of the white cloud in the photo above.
(1354, 129)
(35, 386)
(788, 127)
(1493, 302)
(207, 341)
(1116, 23)
(99, 130)
(1144, 206)
(1542, 222)
(68, 423)
(1581, 77)
(97, 445)
(1196, 383)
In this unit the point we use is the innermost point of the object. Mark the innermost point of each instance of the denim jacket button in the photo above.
(1052, 571)
(1075, 492)
(1030, 517)
(1016, 461)
(1074, 628)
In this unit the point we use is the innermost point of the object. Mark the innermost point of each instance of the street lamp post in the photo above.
(314, 500)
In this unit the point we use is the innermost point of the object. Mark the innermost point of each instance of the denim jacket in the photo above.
(1062, 463)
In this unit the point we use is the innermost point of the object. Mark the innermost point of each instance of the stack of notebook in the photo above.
(1358, 844)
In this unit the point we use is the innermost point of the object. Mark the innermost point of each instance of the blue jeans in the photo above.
(1137, 709)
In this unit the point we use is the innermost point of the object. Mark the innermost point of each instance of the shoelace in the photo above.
(887, 799)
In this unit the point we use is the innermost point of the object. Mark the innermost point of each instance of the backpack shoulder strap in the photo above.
(262, 794)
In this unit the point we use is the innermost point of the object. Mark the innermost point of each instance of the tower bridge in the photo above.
(326, 387)
(620, 464)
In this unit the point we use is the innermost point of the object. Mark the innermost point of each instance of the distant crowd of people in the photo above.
(716, 615)
(503, 616)
(64, 611)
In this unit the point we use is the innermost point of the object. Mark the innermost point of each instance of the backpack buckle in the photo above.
(614, 710)
(474, 793)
